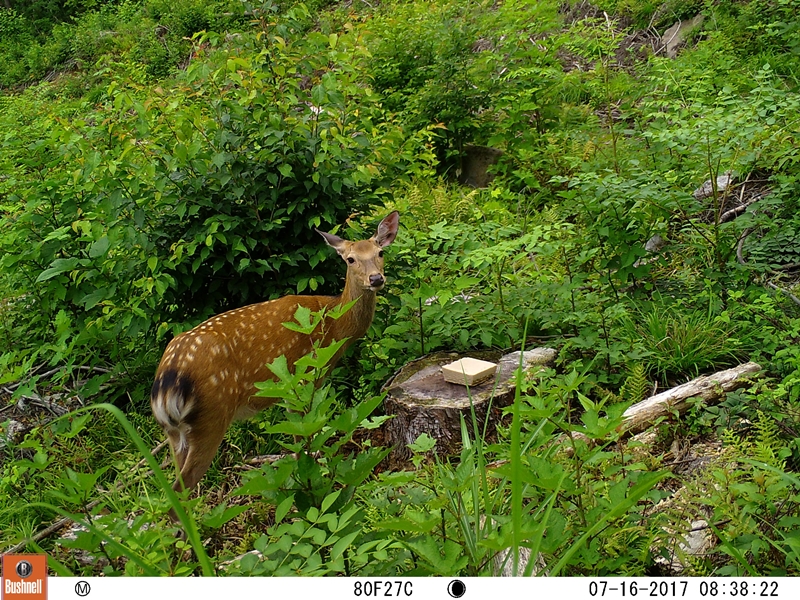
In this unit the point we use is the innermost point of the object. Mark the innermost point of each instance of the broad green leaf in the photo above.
(221, 514)
(318, 95)
(99, 247)
(329, 500)
(419, 524)
(344, 543)
(283, 508)
(91, 300)
(59, 266)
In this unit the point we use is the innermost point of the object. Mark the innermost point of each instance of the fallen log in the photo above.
(711, 388)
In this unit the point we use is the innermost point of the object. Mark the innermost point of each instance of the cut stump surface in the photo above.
(423, 402)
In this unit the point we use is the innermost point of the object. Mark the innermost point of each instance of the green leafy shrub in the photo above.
(481, 510)
(149, 202)
(753, 497)
(316, 528)
(762, 32)
(162, 209)
(43, 38)
(456, 287)
(424, 69)
(60, 468)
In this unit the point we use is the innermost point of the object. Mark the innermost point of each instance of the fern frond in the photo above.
(636, 387)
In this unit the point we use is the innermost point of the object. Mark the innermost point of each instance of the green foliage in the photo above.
(763, 32)
(636, 387)
(650, 13)
(455, 289)
(40, 484)
(449, 64)
(777, 248)
(174, 163)
(317, 528)
(157, 209)
(423, 68)
(687, 342)
(38, 38)
(537, 499)
(756, 502)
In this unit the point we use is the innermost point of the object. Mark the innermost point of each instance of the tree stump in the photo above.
(475, 163)
(423, 402)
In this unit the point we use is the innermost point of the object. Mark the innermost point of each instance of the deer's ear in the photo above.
(387, 230)
(334, 241)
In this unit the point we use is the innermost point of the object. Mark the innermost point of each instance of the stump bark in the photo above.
(423, 402)
(475, 164)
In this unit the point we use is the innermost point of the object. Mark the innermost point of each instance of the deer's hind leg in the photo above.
(194, 457)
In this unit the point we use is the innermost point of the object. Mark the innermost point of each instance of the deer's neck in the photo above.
(357, 320)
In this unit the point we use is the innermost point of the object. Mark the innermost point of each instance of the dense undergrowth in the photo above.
(165, 161)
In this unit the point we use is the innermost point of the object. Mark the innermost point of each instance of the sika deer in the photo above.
(206, 377)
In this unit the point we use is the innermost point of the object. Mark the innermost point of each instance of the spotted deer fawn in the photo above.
(206, 377)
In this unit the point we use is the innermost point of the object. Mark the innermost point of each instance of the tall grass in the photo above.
(679, 343)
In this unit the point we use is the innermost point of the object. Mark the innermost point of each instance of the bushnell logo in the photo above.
(24, 569)
(24, 577)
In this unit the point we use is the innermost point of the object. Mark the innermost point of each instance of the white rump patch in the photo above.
(170, 407)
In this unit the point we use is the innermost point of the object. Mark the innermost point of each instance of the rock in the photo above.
(695, 541)
(15, 431)
(707, 189)
(675, 36)
(654, 244)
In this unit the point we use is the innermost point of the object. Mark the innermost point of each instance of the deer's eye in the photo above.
(351, 260)
(380, 253)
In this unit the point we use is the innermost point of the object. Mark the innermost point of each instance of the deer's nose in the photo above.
(376, 280)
